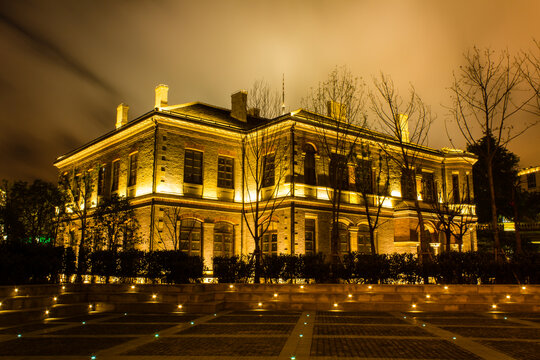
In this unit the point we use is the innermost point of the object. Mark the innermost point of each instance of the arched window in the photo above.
(310, 176)
(364, 242)
(270, 239)
(223, 239)
(344, 244)
(310, 236)
(191, 237)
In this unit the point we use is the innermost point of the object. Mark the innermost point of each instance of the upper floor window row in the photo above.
(193, 169)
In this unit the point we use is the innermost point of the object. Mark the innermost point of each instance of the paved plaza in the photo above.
(259, 334)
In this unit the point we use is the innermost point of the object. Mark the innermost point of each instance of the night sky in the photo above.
(66, 65)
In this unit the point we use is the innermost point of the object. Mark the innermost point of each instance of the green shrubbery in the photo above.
(446, 268)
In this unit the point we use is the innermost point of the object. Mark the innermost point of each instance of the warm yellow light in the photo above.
(396, 193)
(369, 287)
(301, 286)
(335, 304)
(350, 295)
(414, 306)
(231, 286)
(132, 287)
(154, 296)
(63, 288)
(179, 306)
(90, 306)
(54, 298)
(46, 312)
(260, 304)
(493, 306)
(428, 296)
(446, 288)
(16, 290)
(275, 294)
(508, 296)
(0, 304)
(523, 287)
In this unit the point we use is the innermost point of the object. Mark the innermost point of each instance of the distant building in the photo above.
(181, 166)
(529, 179)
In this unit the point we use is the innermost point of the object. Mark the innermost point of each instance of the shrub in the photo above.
(233, 269)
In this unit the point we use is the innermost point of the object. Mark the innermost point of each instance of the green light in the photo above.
(157, 335)
(93, 357)
(301, 335)
(84, 322)
(19, 335)
(192, 323)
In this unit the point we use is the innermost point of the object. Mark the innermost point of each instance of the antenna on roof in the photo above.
(283, 95)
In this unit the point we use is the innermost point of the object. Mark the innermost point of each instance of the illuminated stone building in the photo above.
(181, 167)
(529, 179)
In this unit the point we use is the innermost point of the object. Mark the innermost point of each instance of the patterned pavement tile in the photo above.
(444, 314)
(371, 330)
(518, 349)
(26, 328)
(57, 346)
(467, 321)
(113, 329)
(357, 320)
(252, 329)
(389, 348)
(495, 332)
(265, 312)
(354, 313)
(212, 346)
(255, 319)
(154, 318)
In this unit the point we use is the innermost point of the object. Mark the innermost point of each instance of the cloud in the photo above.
(56, 54)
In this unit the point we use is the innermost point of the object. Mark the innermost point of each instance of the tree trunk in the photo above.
(519, 249)
(497, 241)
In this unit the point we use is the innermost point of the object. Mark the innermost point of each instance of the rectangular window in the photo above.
(429, 191)
(225, 172)
(101, 180)
(531, 181)
(133, 169)
(407, 184)
(115, 175)
(193, 167)
(364, 176)
(269, 170)
(468, 191)
(455, 188)
(310, 236)
(339, 172)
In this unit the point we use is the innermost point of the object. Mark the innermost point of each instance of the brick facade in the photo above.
(163, 201)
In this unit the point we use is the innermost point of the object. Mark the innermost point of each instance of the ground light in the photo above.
(335, 304)
(508, 296)
(428, 296)
(413, 306)
(446, 288)
(16, 290)
(179, 306)
(523, 288)
(231, 286)
(19, 335)
(350, 295)
(154, 296)
(156, 335)
(301, 286)
(275, 294)
(260, 304)
(493, 306)
(369, 287)
(55, 298)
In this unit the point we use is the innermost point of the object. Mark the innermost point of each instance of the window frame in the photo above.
(222, 173)
(190, 175)
(133, 167)
(269, 170)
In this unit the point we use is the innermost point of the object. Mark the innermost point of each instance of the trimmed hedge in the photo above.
(446, 268)
(22, 263)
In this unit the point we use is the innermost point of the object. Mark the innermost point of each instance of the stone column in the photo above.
(208, 244)
(353, 237)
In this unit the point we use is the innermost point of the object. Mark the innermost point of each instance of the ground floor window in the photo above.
(364, 242)
(310, 236)
(270, 239)
(191, 237)
(344, 241)
(223, 239)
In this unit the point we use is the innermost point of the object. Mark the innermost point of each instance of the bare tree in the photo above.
(454, 214)
(372, 183)
(337, 105)
(167, 228)
(114, 220)
(78, 193)
(531, 70)
(487, 95)
(264, 167)
(407, 121)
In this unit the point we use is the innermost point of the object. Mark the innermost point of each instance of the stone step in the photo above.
(13, 317)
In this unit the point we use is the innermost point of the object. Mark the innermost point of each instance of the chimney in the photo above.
(239, 105)
(336, 110)
(404, 127)
(121, 115)
(162, 93)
